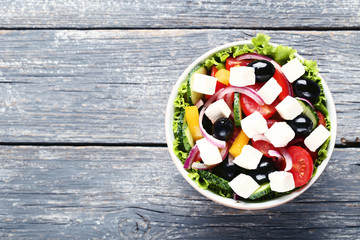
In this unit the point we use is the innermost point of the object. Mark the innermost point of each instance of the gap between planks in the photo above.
(315, 29)
(345, 144)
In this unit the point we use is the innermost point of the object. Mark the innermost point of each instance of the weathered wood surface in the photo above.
(180, 14)
(112, 86)
(136, 192)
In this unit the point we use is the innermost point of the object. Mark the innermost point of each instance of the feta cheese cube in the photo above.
(217, 110)
(280, 134)
(209, 153)
(244, 185)
(254, 124)
(270, 91)
(204, 84)
(249, 158)
(289, 108)
(242, 76)
(316, 138)
(293, 70)
(281, 181)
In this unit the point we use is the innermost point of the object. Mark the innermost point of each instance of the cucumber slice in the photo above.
(180, 123)
(261, 191)
(310, 113)
(188, 141)
(193, 97)
(237, 110)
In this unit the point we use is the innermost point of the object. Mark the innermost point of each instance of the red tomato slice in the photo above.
(284, 83)
(213, 70)
(321, 118)
(232, 62)
(303, 167)
(264, 147)
(248, 105)
(270, 122)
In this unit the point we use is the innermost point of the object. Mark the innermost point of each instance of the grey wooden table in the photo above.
(83, 90)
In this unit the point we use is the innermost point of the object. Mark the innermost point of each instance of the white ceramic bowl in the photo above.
(227, 201)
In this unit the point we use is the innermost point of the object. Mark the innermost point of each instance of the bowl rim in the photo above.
(238, 204)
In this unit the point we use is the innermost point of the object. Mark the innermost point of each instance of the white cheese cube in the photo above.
(293, 70)
(204, 84)
(244, 185)
(242, 76)
(254, 124)
(281, 181)
(209, 153)
(249, 158)
(289, 108)
(280, 134)
(217, 110)
(270, 91)
(317, 138)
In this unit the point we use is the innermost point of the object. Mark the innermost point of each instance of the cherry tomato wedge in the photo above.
(303, 167)
(270, 122)
(249, 106)
(263, 146)
(321, 118)
(232, 62)
(213, 70)
(284, 83)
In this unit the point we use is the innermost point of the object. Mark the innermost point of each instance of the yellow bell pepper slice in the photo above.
(223, 76)
(240, 141)
(192, 119)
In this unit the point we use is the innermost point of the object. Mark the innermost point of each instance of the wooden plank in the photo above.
(112, 86)
(136, 192)
(179, 14)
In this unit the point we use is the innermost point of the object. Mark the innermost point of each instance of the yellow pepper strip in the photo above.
(192, 119)
(240, 141)
(223, 76)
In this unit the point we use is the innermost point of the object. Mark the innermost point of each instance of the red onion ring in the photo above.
(224, 151)
(288, 159)
(307, 101)
(199, 103)
(199, 166)
(242, 90)
(231, 159)
(261, 137)
(190, 159)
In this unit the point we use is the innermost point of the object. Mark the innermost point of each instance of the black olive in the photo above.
(223, 129)
(306, 88)
(264, 70)
(227, 171)
(207, 124)
(301, 125)
(261, 173)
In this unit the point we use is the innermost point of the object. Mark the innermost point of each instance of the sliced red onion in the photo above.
(190, 159)
(307, 101)
(211, 139)
(235, 134)
(261, 137)
(287, 157)
(199, 103)
(231, 159)
(224, 152)
(277, 66)
(242, 90)
(274, 153)
(199, 166)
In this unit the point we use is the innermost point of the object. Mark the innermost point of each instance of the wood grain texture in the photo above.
(136, 192)
(112, 86)
(179, 14)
